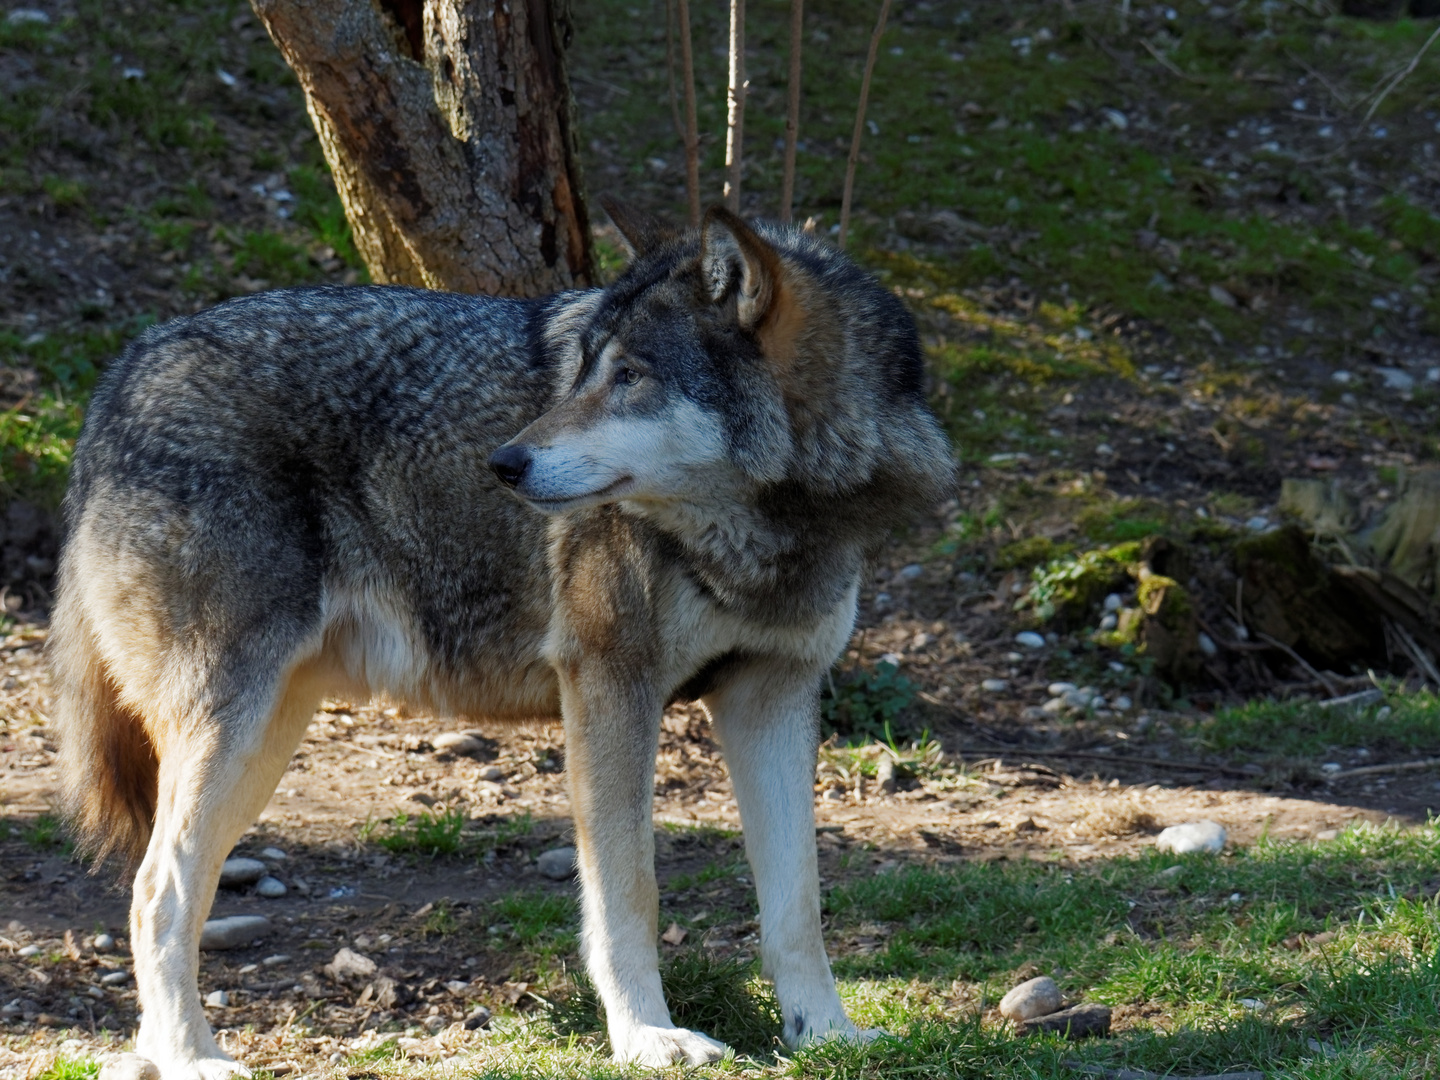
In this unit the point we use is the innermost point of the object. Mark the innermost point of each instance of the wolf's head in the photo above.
(738, 356)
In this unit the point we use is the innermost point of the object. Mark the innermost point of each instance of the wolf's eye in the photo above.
(627, 377)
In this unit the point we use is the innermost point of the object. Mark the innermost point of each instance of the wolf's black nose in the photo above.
(510, 464)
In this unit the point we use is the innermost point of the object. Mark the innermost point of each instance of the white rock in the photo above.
(29, 951)
(1114, 602)
(233, 932)
(1395, 379)
(115, 978)
(1038, 997)
(128, 1067)
(911, 572)
(278, 958)
(271, 888)
(217, 999)
(103, 943)
(995, 686)
(1060, 689)
(492, 773)
(1207, 644)
(1258, 523)
(272, 854)
(240, 871)
(1109, 621)
(557, 864)
(1122, 703)
(1223, 296)
(1342, 376)
(1192, 836)
(458, 743)
(1030, 639)
(349, 964)
(1054, 706)
(19, 17)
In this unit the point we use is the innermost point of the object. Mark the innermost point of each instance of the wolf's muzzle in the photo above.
(510, 464)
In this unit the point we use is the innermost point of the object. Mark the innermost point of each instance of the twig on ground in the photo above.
(1400, 76)
(1424, 662)
(792, 114)
(692, 130)
(1393, 767)
(854, 157)
(1114, 759)
(735, 107)
(1305, 664)
(1169, 65)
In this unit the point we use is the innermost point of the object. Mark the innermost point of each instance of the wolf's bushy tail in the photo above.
(108, 765)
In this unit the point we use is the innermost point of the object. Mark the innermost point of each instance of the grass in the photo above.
(45, 834)
(1404, 723)
(429, 832)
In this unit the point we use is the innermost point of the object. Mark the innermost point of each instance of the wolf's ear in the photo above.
(731, 250)
(641, 231)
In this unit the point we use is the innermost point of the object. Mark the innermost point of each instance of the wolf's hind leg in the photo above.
(219, 765)
(766, 719)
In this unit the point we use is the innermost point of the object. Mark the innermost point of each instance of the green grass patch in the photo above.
(430, 832)
(71, 1068)
(1407, 723)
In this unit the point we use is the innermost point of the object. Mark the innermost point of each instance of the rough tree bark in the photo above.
(449, 126)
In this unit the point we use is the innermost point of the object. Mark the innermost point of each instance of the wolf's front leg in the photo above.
(767, 719)
(611, 735)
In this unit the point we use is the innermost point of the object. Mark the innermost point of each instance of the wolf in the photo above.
(585, 506)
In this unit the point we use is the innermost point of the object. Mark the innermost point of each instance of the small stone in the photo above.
(114, 978)
(911, 572)
(1038, 997)
(233, 932)
(28, 951)
(1207, 644)
(239, 872)
(477, 1019)
(272, 854)
(885, 775)
(434, 1024)
(1258, 523)
(1122, 703)
(1080, 1022)
(103, 943)
(1171, 872)
(128, 1067)
(1223, 296)
(349, 965)
(271, 888)
(1208, 836)
(301, 886)
(995, 686)
(557, 864)
(1252, 1003)
(21, 16)
(1053, 707)
(1109, 621)
(458, 743)
(1114, 602)
(457, 986)
(1060, 689)
(277, 959)
(1395, 379)
(217, 999)
(1327, 834)
(491, 773)
(1030, 639)
(1330, 767)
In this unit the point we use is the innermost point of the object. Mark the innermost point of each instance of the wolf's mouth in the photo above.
(592, 498)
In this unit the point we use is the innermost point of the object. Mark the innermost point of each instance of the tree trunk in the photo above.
(450, 129)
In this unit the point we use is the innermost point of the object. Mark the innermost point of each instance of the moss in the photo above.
(1070, 587)
(1030, 552)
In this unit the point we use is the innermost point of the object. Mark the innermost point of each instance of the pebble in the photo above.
(1207, 644)
(103, 943)
(434, 1024)
(1030, 639)
(1109, 621)
(911, 572)
(273, 854)
(278, 958)
(233, 932)
(240, 871)
(20, 16)
(1114, 602)
(1078, 1023)
(1054, 706)
(995, 686)
(349, 964)
(1122, 703)
(458, 743)
(1172, 871)
(477, 1019)
(129, 1067)
(217, 999)
(493, 773)
(1327, 834)
(114, 978)
(1193, 836)
(29, 950)
(271, 888)
(557, 864)
(1038, 997)
(1060, 689)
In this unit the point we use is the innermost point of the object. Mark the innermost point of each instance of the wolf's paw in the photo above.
(656, 1047)
(213, 1066)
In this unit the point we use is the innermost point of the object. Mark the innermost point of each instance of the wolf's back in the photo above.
(229, 460)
